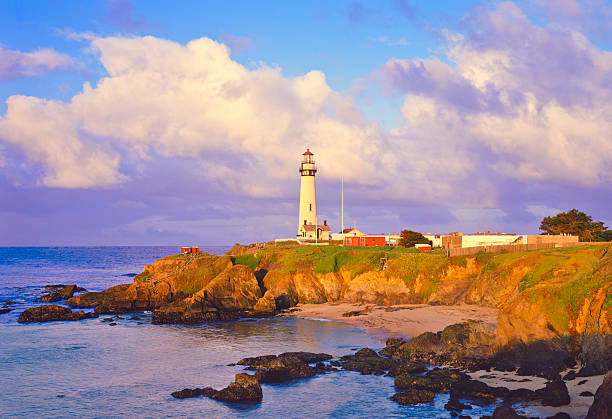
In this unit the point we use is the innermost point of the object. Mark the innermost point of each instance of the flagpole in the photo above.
(342, 206)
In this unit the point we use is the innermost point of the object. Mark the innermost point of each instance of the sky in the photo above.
(168, 123)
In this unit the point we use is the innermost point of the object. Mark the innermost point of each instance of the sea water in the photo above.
(91, 369)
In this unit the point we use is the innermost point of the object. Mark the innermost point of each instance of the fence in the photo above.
(467, 251)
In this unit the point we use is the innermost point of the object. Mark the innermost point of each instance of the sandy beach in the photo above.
(404, 321)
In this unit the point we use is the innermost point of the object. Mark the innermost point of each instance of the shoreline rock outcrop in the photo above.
(244, 389)
(59, 292)
(52, 313)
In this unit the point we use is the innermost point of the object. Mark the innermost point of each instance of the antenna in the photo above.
(342, 200)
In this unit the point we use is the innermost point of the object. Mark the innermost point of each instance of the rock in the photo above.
(560, 415)
(246, 388)
(366, 352)
(554, 394)
(192, 392)
(367, 361)
(283, 369)
(286, 366)
(355, 313)
(422, 344)
(581, 382)
(469, 334)
(113, 299)
(391, 347)
(602, 404)
(436, 380)
(407, 367)
(586, 394)
(506, 412)
(5, 310)
(569, 376)
(235, 291)
(60, 292)
(49, 313)
(263, 361)
(454, 404)
(595, 355)
(413, 396)
(266, 305)
(477, 391)
(539, 358)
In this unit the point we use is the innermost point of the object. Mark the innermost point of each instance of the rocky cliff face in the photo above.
(540, 294)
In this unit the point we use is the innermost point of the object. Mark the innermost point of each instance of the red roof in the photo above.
(307, 153)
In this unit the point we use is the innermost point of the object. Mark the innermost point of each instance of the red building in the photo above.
(364, 241)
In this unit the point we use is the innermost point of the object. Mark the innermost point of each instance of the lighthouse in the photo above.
(307, 221)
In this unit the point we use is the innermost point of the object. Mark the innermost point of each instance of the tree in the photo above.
(409, 238)
(575, 223)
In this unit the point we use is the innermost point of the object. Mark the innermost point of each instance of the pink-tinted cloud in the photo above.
(17, 64)
(535, 100)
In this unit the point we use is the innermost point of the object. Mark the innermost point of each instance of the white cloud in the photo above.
(15, 64)
(245, 128)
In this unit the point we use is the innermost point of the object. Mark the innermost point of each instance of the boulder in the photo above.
(286, 366)
(367, 361)
(539, 358)
(283, 369)
(436, 380)
(5, 310)
(595, 355)
(264, 361)
(477, 391)
(407, 367)
(506, 412)
(456, 405)
(602, 404)
(58, 293)
(422, 344)
(554, 393)
(113, 299)
(266, 305)
(470, 334)
(413, 396)
(50, 313)
(191, 392)
(246, 388)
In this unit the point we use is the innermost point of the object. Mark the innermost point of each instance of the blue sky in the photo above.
(449, 115)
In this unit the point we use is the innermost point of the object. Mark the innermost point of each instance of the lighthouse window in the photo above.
(310, 205)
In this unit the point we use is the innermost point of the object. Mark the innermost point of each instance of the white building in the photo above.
(347, 232)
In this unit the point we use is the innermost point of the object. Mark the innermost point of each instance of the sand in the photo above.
(578, 407)
(404, 321)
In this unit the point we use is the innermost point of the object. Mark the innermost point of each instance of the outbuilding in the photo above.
(365, 240)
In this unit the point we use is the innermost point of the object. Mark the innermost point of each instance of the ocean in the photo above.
(91, 369)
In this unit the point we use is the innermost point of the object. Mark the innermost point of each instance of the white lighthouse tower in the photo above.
(307, 224)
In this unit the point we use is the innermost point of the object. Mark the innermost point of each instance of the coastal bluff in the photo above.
(539, 294)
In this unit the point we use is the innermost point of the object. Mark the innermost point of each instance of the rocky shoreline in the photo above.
(421, 370)
(192, 289)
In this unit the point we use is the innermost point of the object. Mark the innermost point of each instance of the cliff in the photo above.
(540, 294)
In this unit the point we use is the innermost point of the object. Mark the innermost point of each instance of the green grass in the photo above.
(246, 260)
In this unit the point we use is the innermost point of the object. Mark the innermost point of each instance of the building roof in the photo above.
(348, 230)
(307, 153)
(311, 227)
